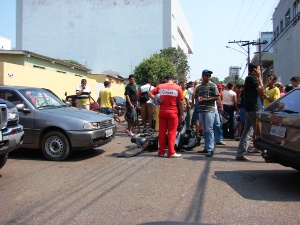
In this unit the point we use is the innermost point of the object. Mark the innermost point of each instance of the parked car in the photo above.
(53, 127)
(94, 106)
(11, 132)
(120, 105)
(278, 131)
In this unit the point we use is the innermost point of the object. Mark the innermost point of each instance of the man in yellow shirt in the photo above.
(106, 100)
(272, 91)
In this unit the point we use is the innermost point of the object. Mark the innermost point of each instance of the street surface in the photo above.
(97, 187)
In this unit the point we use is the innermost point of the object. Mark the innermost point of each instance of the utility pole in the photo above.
(248, 43)
(245, 43)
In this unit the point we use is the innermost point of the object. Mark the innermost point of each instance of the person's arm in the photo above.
(260, 88)
(219, 102)
(235, 104)
(99, 100)
(79, 92)
(129, 102)
(112, 102)
(180, 104)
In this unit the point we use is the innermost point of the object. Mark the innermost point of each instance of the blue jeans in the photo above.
(107, 111)
(247, 134)
(218, 131)
(207, 122)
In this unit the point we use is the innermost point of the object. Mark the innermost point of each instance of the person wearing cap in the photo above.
(83, 95)
(206, 94)
(106, 100)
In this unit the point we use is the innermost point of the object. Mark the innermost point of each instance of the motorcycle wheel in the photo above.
(193, 142)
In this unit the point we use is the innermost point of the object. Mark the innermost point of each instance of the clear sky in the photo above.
(213, 23)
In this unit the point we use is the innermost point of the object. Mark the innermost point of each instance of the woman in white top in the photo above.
(229, 101)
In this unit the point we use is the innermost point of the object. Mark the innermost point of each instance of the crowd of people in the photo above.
(216, 111)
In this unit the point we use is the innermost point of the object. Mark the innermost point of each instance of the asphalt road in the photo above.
(97, 187)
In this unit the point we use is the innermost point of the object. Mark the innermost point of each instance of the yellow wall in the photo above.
(32, 77)
(117, 85)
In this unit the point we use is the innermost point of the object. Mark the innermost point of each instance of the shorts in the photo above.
(131, 115)
(147, 111)
(107, 111)
(242, 115)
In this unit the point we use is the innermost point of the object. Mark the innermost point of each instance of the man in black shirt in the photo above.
(253, 89)
(131, 104)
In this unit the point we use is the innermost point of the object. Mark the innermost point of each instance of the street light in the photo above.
(237, 50)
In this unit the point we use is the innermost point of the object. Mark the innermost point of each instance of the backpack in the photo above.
(144, 96)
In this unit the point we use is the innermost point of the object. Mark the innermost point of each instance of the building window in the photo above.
(281, 26)
(59, 71)
(287, 18)
(277, 31)
(296, 8)
(39, 67)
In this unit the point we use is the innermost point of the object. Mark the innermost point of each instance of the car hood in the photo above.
(75, 113)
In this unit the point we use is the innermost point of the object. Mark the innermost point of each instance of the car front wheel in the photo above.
(3, 159)
(55, 146)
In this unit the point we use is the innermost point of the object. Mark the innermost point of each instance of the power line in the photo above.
(255, 17)
(245, 19)
(237, 19)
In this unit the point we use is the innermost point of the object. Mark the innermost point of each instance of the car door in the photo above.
(280, 122)
(26, 115)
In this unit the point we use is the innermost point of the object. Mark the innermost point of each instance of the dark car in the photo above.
(278, 131)
(11, 132)
(94, 106)
(50, 125)
(120, 105)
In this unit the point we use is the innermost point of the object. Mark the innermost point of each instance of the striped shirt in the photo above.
(83, 99)
(208, 90)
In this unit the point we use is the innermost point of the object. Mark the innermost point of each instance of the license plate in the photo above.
(109, 132)
(278, 131)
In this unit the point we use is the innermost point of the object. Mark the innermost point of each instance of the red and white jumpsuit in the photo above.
(168, 115)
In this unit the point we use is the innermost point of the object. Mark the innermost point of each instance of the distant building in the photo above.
(102, 34)
(5, 43)
(264, 53)
(286, 27)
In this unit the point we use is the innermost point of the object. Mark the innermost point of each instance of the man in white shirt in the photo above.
(147, 108)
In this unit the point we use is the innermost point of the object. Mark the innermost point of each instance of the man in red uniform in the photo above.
(170, 99)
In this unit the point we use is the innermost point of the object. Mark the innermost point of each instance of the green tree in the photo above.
(179, 60)
(155, 68)
(215, 80)
(233, 80)
(71, 61)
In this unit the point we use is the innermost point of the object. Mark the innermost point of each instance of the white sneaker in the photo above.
(130, 133)
(175, 155)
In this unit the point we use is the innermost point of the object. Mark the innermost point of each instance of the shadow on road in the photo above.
(270, 185)
(35, 154)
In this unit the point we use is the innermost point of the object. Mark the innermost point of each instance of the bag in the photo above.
(144, 96)
(224, 117)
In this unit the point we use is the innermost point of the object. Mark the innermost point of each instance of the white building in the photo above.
(102, 34)
(5, 43)
(286, 27)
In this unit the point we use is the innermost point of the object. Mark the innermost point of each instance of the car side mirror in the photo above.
(21, 107)
(69, 104)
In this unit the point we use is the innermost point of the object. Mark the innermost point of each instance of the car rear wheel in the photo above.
(3, 159)
(55, 146)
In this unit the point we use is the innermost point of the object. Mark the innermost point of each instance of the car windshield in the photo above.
(288, 103)
(41, 98)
